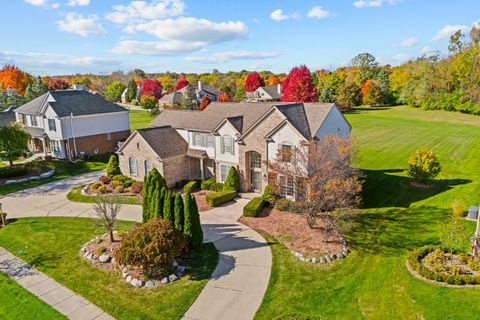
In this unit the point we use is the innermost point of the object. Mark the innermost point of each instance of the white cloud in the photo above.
(368, 3)
(74, 3)
(55, 5)
(143, 10)
(156, 48)
(222, 57)
(278, 15)
(191, 29)
(407, 43)
(401, 57)
(448, 30)
(37, 3)
(427, 50)
(84, 26)
(318, 13)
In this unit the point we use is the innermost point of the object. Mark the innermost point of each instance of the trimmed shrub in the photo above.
(233, 180)
(120, 177)
(217, 186)
(128, 182)
(95, 185)
(168, 207)
(221, 197)
(154, 181)
(118, 189)
(152, 245)
(113, 167)
(178, 212)
(283, 204)
(134, 102)
(269, 195)
(423, 166)
(192, 186)
(206, 184)
(254, 207)
(102, 189)
(137, 187)
(13, 171)
(179, 184)
(192, 228)
(115, 183)
(104, 180)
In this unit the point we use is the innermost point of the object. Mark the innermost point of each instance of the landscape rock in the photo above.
(314, 260)
(149, 284)
(180, 268)
(340, 256)
(322, 260)
(327, 258)
(104, 258)
(298, 254)
(165, 280)
(47, 174)
(125, 274)
(172, 278)
(34, 178)
(129, 278)
(11, 181)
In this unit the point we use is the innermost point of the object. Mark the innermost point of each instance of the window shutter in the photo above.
(222, 145)
(233, 146)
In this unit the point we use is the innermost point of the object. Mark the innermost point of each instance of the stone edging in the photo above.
(326, 258)
(44, 175)
(93, 258)
(438, 283)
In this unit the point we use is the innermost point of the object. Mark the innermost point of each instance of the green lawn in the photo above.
(373, 282)
(63, 170)
(76, 195)
(53, 245)
(18, 303)
(139, 119)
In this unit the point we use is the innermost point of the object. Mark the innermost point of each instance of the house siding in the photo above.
(96, 144)
(226, 130)
(335, 123)
(141, 154)
(285, 135)
(95, 124)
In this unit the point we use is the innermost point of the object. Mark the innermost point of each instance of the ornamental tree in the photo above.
(131, 90)
(224, 97)
(423, 166)
(152, 88)
(113, 167)
(253, 81)
(233, 180)
(298, 86)
(13, 142)
(178, 212)
(57, 84)
(152, 183)
(168, 207)
(182, 83)
(114, 91)
(12, 77)
(205, 102)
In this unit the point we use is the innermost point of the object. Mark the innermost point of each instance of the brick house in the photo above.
(72, 123)
(202, 144)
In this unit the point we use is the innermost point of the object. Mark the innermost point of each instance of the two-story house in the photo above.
(265, 94)
(73, 123)
(202, 144)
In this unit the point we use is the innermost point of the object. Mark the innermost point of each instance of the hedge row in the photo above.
(254, 207)
(192, 186)
(414, 260)
(13, 171)
(218, 198)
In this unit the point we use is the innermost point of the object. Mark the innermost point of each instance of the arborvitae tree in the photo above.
(113, 167)
(168, 213)
(189, 99)
(233, 180)
(163, 194)
(178, 212)
(153, 182)
(155, 204)
(145, 200)
(197, 238)
(131, 90)
(192, 227)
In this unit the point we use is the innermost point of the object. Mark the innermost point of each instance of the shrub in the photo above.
(137, 187)
(113, 167)
(283, 204)
(168, 208)
(115, 183)
(221, 197)
(95, 185)
(458, 208)
(134, 102)
(474, 265)
(118, 189)
(13, 171)
(206, 184)
(423, 166)
(120, 177)
(463, 257)
(148, 102)
(152, 186)
(254, 207)
(152, 245)
(192, 228)
(192, 186)
(179, 184)
(102, 189)
(217, 186)
(269, 195)
(178, 212)
(128, 182)
(104, 180)
(233, 180)
(455, 270)
(100, 250)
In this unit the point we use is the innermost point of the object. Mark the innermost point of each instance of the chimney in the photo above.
(279, 88)
(199, 85)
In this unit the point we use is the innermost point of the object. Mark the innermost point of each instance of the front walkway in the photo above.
(48, 290)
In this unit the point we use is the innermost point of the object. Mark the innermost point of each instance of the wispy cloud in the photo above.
(407, 43)
(318, 13)
(142, 10)
(278, 15)
(75, 3)
(222, 57)
(448, 30)
(374, 3)
(37, 3)
(82, 25)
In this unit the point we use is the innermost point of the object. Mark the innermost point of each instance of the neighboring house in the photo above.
(201, 144)
(72, 123)
(7, 117)
(268, 93)
(170, 101)
(204, 89)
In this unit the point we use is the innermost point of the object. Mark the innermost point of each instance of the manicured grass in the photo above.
(53, 245)
(63, 170)
(76, 195)
(18, 303)
(139, 119)
(373, 282)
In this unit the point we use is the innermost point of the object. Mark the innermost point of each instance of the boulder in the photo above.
(11, 182)
(129, 278)
(165, 280)
(149, 284)
(314, 260)
(104, 258)
(34, 178)
(340, 256)
(298, 255)
(47, 174)
(322, 260)
(172, 278)
(180, 268)
(327, 258)
(136, 283)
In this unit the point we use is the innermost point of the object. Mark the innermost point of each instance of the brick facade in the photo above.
(97, 144)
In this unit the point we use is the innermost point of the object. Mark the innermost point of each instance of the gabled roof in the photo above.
(205, 87)
(295, 114)
(272, 91)
(316, 114)
(174, 97)
(164, 141)
(7, 117)
(67, 102)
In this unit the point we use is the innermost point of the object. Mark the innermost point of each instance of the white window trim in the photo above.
(145, 166)
(222, 145)
(130, 167)
(226, 173)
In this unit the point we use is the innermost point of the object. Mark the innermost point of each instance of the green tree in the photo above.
(168, 207)
(178, 212)
(456, 42)
(148, 102)
(36, 89)
(423, 166)
(192, 228)
(367, 66)
(373, 95)
(189, 99)
(13, 142)
(131, 90)
(233, 180)
(114, 91)
(348, 95)
(153, 184)
(453, 235)
(240, 94)
(113, 167)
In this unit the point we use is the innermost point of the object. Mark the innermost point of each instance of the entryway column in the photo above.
(44, 145)
(202, 169)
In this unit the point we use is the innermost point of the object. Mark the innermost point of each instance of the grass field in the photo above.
(53, 245)
(18, 303)
(373, 283)
(139, 119)
(76, 195)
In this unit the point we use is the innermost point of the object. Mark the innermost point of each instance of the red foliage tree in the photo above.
(224, 97)
(253, 81)
(12, 77)
(205, 102)
(152, 88)
(182, 83)
(57, 84)
(298, 86)
(366, 86)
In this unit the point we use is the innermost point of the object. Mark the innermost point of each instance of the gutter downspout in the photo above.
(73, 134)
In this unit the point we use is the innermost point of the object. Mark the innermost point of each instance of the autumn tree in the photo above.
(323, 182)
(182, 83)
(372, 94)
(348, 95)
(11, 77)
(167, 82)
(189, 99)
(253, 81)
(152, 88)
(84, 81)
(224, 97)
(298, 86)
(273, 80)
(367, 66)
(57, 84)
(205, 102)
(424, 166)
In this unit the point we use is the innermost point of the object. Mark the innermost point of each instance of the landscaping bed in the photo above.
(126, 189)
(201, 196)
(78, 195)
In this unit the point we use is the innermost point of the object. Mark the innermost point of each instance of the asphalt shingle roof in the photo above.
(7, 117)
(165, 141)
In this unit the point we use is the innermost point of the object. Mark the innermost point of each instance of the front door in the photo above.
(256, 181)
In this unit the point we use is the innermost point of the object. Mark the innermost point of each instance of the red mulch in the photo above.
(200, 196)
(107, 247)
(292, 230)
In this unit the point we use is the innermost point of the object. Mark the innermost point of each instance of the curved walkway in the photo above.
(236, 287)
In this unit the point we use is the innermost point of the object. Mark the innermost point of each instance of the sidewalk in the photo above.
(51, 292)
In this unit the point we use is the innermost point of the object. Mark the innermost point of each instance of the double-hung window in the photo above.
(52, 126)
(286, 186)
(224, 172)
(132, 166)
(201, 139)
(33, 121)
(285, 152)
(227, 146)
(148, 166)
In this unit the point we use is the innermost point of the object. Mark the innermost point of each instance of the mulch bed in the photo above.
(200, 196)
(105, 246)
(292, 230)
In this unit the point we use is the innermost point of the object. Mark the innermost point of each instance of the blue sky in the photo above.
(49, 37)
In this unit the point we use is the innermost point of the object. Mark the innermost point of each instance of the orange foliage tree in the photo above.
(274, 80)
(205, 102)
(224, 97)
(366, 86)
(12, 77)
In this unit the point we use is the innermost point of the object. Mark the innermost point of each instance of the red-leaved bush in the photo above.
(253, 82)
(182, 83)
(224, 97)
(152, 88)
(205, 102)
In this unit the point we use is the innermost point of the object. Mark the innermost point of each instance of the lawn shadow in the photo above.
(384, 188)
(45, 260)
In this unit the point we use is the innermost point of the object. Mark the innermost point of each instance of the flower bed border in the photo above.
(326, 258)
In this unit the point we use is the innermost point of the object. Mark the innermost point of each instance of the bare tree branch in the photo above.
(106, 209)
